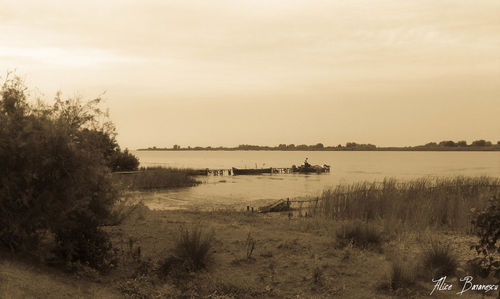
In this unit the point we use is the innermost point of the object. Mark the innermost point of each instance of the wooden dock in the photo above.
(219, 171)
(229, 172)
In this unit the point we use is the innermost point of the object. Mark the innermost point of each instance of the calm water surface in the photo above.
(347, 167)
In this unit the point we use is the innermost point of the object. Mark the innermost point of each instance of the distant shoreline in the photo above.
(494, 148)
(447, 145)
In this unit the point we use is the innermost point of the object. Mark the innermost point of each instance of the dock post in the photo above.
(252, 209)
(248, 208)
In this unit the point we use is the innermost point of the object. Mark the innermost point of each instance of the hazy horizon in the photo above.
(224, 73)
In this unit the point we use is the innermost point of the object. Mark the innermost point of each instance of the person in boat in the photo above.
(306, 164)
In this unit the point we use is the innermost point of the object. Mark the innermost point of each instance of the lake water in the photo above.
(346, 167)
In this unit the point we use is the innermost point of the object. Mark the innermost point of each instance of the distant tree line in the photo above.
(280, 147)
(446, 145)
(462, 143)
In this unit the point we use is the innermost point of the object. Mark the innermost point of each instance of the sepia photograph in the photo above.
(249, 149)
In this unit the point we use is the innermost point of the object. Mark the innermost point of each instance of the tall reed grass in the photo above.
(420, 203)
(157, 178)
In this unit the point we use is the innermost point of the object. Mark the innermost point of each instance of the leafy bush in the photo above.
(123, 161)
(54, 174)
(83, 241)
(487, 223)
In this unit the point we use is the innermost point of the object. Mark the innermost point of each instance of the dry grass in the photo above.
(192, 252)
(403, 275)
(19, 280)
(444, 203)
(157, 178)
(360, 235)
(439, 259)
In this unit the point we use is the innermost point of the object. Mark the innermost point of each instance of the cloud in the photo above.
(268, 51)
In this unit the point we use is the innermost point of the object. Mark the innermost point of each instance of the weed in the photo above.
(192, 252)
(401, 277)
(360, 235)
(439, 259)
(250, 244)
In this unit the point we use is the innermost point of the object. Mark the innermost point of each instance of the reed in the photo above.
(157, 178)
(420, 203)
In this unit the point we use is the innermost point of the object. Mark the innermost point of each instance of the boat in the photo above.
(311, 168)
(251, 171)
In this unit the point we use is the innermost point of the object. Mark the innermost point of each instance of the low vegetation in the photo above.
(403, 275)
(192, 252)
(439, 259)
(360, 235)
(156, 178)
(444, 203)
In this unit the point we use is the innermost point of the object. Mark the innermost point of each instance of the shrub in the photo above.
(361, 235)
(123, 161)
(439, 260)
(54, 175)
(84, 242)
(487, 224)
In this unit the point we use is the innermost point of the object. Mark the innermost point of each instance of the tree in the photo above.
(447, 143)
(54, 172)
(462, 143)
(481, 142)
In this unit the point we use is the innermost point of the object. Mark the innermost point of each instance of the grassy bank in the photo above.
(157, 178)
(251, 255)
(355, 246)
(444, 203)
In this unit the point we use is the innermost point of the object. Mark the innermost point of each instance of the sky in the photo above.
(224, 73)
